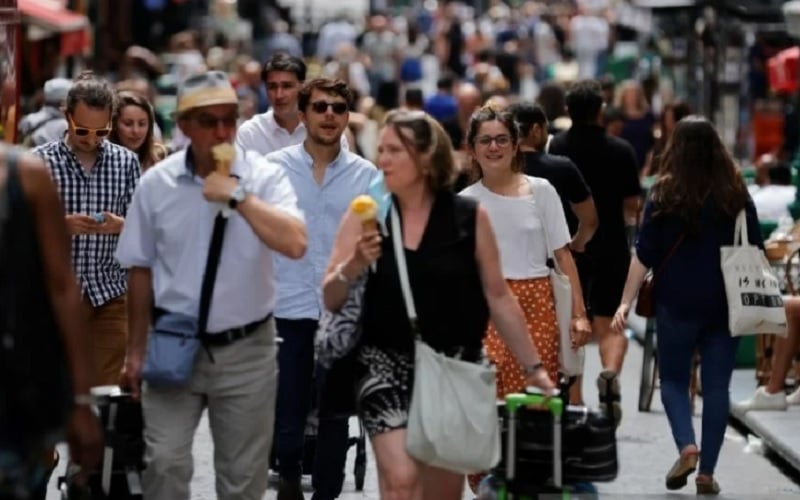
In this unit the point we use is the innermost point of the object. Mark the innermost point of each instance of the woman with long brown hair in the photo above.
(133, 128)
(691, 212)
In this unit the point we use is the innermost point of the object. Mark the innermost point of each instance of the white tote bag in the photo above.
(453, 422)
(755, 303)
(571, 360)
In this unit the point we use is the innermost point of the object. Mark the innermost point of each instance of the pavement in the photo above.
(776, 429)
(646, 451)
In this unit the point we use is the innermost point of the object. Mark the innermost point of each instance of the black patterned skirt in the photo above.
(384, 390)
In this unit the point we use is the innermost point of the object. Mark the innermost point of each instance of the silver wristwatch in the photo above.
(237, 196)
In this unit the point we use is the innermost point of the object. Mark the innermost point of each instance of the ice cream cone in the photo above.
(224, 154)
(367, 210)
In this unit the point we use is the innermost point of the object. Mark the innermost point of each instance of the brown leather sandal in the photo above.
(680, 471)
(707, 485)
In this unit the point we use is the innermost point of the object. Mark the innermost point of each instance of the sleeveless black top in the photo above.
(445, 282)
(35, 392)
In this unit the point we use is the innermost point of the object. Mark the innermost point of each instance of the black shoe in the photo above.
(290, 489)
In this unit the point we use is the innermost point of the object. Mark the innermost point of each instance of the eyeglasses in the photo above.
(338, 108)
(210, 121)
(501, 140)
(84, 131)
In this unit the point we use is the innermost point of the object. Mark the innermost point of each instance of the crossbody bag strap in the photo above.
(402, 271)
(210, 277)
(552, 263)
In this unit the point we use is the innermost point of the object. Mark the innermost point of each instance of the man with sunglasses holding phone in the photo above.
(326, 178)
(95, 180)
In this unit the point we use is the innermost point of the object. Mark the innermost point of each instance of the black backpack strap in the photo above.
(209, 278)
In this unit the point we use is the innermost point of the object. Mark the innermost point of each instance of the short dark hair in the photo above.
(780, 174)
(286, 63)
(445, 82)
(527, 115)
(414, 97)
(327, 85)
(584, 101)
(93, 91)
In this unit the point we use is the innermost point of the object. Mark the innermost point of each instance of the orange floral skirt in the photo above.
(535, 296)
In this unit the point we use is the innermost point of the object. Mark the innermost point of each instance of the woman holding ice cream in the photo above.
(457, 285)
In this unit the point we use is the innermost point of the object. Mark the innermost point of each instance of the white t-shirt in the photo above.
(772, 201)
(517, 224)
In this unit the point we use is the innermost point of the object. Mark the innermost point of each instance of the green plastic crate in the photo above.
(746, 355)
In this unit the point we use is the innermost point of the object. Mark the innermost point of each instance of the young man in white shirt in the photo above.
(281, 126)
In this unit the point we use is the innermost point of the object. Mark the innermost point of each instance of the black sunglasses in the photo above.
(320, 107)
(209, 121)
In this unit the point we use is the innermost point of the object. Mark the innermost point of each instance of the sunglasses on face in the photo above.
(320, 107)
(86, 131)
(210, 121)
(500, 140)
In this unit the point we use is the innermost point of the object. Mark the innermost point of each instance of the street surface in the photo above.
(646, 452)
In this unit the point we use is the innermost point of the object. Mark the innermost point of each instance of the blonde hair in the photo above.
(429, 145)
(627, 86)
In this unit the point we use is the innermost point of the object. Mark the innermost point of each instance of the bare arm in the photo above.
(586, 213)
(630, 210)
(83, 434)
(140, 303)
(278, 230)
(354, 250)
(56, 262)
(636, 274)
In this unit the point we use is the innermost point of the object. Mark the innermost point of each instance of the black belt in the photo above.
(227, 337)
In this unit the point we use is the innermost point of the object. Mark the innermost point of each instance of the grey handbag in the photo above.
(339, 332)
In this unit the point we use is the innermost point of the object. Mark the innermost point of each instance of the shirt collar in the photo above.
(310, 161)
(273, 124)
(101, 148)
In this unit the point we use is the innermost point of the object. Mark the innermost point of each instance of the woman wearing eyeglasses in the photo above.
(527, 217)
(455, 278)
(134, 125)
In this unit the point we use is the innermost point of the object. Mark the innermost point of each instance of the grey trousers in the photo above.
(238, 390)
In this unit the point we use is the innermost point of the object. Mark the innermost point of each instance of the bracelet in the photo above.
(579, 316)
(83, 400)
(532, 369)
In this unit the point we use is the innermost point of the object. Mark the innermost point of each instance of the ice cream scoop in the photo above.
(224, 154)
(366, 209)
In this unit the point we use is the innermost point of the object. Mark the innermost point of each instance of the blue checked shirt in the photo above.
(299, 281)
(107, 187)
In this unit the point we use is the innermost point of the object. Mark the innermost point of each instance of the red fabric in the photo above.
(54, 16)
(783, 68)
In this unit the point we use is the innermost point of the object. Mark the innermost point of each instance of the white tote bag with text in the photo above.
(755, 302)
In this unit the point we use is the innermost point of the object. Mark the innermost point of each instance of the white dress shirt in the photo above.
(168, 230)
(263, 135)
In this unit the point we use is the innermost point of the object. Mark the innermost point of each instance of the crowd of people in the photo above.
(493, 192)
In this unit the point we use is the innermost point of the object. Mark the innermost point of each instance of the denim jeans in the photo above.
(296, 389)
(677, 340)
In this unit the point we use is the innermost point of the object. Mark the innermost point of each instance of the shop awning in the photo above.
(52, 17)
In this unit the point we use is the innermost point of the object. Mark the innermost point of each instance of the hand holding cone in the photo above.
(224, 154)
(367, 210)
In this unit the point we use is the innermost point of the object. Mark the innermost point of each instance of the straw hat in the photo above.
(205, 89)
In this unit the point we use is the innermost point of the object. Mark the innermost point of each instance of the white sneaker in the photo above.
(764, 401)
(794, 398)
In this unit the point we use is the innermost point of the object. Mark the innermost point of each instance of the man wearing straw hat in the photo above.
(165, 244)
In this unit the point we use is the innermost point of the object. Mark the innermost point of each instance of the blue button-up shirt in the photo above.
(299, 282)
